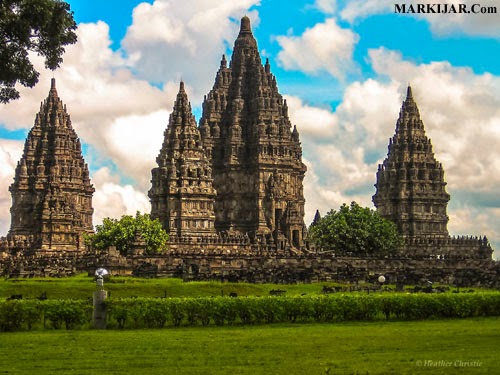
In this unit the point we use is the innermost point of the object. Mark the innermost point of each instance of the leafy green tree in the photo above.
(355, 230)
(43, 27)
(121, 233)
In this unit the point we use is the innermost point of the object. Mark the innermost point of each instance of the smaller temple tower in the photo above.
(182, 195)
(410, 182)
(51, 193)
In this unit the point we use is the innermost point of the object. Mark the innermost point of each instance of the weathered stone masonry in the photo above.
(230, 194)
(51, 193)
(411, 192)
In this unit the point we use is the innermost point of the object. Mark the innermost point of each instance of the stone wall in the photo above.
(460, 247)
(225, 263)
(236, 258)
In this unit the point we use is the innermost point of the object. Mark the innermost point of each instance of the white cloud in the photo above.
(343, 148)
(133, 143)
(356, 9)
(315, 123)
(172, 40)
(326, 47)
(10, 153)
(96, 84)
(120, 116)
(461, 110)
(441, 24)
(111, 199)
(461, 114)
(115, 111)
(326, 6)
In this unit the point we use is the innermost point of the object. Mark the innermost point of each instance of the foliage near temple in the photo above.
(127, 231)
(355, 231)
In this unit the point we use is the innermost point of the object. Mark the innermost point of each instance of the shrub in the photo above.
(159, 312)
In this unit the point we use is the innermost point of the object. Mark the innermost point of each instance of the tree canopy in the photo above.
(122, 233)
(355, 230)
(43, 27)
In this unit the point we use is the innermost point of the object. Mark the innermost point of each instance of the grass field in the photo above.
(82, 286)
(469, 346)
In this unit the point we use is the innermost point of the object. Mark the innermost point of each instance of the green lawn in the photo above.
(469, 346)
(82, 286)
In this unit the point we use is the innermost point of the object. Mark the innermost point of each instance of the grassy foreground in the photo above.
(82, 287)
(467, 346)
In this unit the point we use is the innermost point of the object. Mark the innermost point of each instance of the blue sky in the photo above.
(342, 65)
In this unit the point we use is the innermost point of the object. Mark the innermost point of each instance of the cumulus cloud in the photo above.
(461, 111)
(481, 24)
(326, 47)
(343, 147)
(167, 34)
(120, 116)
(326, 6)
(461, 114)
(10, 153)
(315, 123)
(112, 199)
(115, 110)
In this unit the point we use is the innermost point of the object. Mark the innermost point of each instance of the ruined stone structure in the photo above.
(254, 154)
(51, 193)
(182, 195)
(230, 193)
(411, 192)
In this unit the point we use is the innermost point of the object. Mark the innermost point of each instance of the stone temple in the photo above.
(410, 191)
(250, 178)
(51, 193)
(410, 182)
(229, 191)
(182, 196)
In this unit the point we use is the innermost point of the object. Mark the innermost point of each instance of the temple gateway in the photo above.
(229, 191)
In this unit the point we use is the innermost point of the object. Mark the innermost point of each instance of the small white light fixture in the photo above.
(99, 277)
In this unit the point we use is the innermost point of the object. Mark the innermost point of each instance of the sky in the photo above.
(343, 67)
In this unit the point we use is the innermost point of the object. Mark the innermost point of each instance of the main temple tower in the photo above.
(51, 193)
(256, 154)
(410, 182)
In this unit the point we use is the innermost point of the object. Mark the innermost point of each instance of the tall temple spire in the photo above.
(246, 132)
(410, 182)
(51, 192)
(181, 195)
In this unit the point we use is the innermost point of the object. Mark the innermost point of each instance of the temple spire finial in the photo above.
(53, 90)
(245, 27)
(409, 94)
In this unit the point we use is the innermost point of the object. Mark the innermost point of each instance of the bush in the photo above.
(160, 312)
(71, 313)
(18, 313)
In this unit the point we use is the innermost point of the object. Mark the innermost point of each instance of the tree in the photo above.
(355, 230)
(43, 27)
(121, 234)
